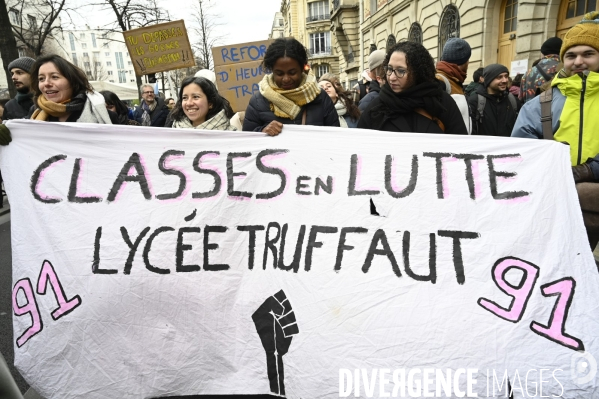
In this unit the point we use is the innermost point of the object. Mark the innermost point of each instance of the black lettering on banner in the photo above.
(493, 174)
(353, 171)
(432, 259)
(214, 174)
(252, 244)
(468, 158)
(299, 186)
(439, 165)
(96, 263)
(148, 248)
(208, 246)
(73, 197)
(327, 188)
(411, 184)
(343, 247)
(181, 248)
(172, 172)
(132, 246)
(380, 236)
(35, 179)
(312, 243)
(273, 171)
(295, 264)
(458, 262)
(231, 175)
(140, 177)
(269, 243)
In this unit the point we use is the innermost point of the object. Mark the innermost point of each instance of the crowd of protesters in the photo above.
(403, 90)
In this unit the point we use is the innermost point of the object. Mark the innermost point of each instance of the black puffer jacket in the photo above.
(499, 117)
(18, 109)
(372, 118)
(320, 112)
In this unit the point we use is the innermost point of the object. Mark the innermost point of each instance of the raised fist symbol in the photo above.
(276, 325)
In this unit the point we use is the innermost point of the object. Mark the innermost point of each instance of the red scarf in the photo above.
(452, 71)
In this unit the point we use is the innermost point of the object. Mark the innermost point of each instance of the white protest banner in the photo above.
(154, 263)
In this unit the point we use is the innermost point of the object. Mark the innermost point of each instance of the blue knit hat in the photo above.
(456, 51)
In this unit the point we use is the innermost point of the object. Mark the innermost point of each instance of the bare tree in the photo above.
(178, 75)
(204, 24)
(131, 14)
(8, 44)
(93, 68)
(37, 22)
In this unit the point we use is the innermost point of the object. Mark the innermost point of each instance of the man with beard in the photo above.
(18, 107)
(152, 111)
(494, 109)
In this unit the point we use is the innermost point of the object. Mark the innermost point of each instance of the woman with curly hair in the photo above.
(288, 95)
(346, 109)
(201, 107)
(411, 100)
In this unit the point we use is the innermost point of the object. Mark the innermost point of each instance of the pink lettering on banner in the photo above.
(445, 176)
(31, 308)
(519, 293)
(556, 330)
(65, 306)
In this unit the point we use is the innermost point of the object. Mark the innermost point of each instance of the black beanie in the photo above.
(492, 71)
(551, 46)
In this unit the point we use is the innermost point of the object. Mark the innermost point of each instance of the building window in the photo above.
(22, 52)
(111, 81)
(108, 63)
(577, 8)
(415, 34)
(98, 64)
(510, 20)
(373, 6)
(320, 43)
(119, 60)
(86, 55)
(15, 16)
(74, 56)
(318, 11)
(96, 55)
(321, 70)
(72, 40)
(132, 80)
(129, 63)
(83, 45)
(110, 72)
(281, 22)
(391, 42)
(449, 26)
(87, 64)
(122, 77)
(94, 40)
(107, 54)
(82, 36)
(32, 22)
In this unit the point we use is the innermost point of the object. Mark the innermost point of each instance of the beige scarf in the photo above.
(288, 103)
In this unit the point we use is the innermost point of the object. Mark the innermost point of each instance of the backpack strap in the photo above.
(447, 84)
(424, 113)
(543, 73)
(512, 99)
(480, 109)
(546, 97)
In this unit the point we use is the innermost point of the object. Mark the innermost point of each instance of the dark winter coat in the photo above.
(320, 112)
(375, 88)
(18, 107)
(375, 118)
(498, 118)
(158, 116)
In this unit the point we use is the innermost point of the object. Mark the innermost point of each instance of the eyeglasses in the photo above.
(399, 72)
(147, 92)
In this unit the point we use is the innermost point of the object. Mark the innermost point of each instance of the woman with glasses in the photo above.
(288, 94)
(411, 100)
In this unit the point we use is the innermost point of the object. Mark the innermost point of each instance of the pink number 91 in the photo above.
(47, 274)
(563, 289)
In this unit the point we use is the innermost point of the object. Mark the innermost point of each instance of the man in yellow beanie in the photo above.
(574, 101)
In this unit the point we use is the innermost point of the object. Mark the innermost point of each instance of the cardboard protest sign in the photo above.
(238, 69)
(149, 263)
(159, 48)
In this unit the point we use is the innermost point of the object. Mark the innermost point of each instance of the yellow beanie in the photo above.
(586, 33)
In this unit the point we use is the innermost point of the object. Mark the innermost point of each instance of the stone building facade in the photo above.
(499, 31)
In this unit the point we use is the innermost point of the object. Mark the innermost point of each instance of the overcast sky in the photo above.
(242, 20)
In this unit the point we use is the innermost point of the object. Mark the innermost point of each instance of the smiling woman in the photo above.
(201, 107)
(63, 93)
(288, 95)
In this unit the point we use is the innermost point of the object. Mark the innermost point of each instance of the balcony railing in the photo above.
(313, 18)
(336, 4)
(320, 51)
(350, 57)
